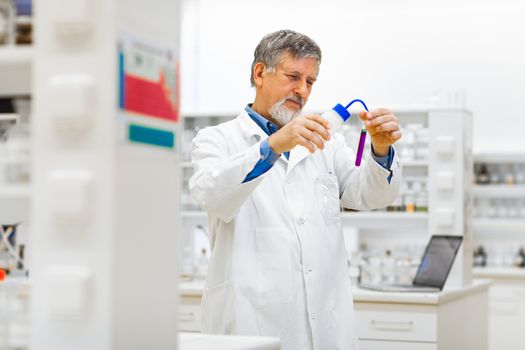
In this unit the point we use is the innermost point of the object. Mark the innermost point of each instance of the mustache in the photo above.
(296, 99)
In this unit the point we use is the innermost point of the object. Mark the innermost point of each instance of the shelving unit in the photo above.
(498, 226)
(507, 191)
(15, 72)
(385, 220)
(499, 210)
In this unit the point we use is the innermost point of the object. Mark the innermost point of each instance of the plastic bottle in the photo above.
(336, 117)
(202, 264)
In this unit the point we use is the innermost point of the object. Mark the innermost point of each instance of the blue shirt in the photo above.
(269, 157)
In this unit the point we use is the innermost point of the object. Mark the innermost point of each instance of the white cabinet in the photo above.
(450, 320)
(506, 307)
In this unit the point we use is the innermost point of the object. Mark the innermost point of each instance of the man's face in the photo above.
(288, 87)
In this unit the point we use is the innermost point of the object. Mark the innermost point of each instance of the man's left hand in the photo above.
(383, 127)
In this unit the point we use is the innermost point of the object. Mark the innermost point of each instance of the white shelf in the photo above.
(15, 191)
(499, 191)
(415, 163)
(498, 225)
(385, 219)
(499, 158)
(499, 272)
(15, 70)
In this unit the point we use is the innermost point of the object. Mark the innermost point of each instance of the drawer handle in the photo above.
(185, 317)
(391, 325)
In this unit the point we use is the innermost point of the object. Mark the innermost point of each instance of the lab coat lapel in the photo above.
(250, 129)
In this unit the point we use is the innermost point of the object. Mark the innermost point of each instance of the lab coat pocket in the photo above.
(327, 195)
(274, 266)
(217, 309)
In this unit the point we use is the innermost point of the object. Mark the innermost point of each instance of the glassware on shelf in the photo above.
(421, 196)
(482, 174)
(409, 200)
(422, 143)
(18, 148)
(520, 173)
(407, 152)
(507, 174)
(187, 138)
(519, 261)
(513, 210)
(521, 208)
(480, 257)
(494, 174)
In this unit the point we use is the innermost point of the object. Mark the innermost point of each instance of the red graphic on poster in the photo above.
(149, 82)
(149, 97)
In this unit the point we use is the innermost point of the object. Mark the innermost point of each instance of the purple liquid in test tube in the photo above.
(362, 137)
(361, 147)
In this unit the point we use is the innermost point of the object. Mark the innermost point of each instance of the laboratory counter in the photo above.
(499, 272)
(198, 341)
(446, 295)
(455, 318)
(194, 288)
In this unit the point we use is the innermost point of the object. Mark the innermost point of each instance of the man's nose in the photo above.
(301, 89)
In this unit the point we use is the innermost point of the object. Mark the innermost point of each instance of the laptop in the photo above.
(433, 269)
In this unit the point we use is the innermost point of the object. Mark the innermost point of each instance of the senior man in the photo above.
(278, 263)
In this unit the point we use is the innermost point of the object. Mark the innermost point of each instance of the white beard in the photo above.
(283, 115)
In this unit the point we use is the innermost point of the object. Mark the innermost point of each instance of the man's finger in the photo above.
(380, 120)
(305, 143)
(387, 127)
(313, 137)
(318, 128)
(380, 111)
(318, 119)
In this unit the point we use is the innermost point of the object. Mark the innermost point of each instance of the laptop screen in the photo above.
(437, 261)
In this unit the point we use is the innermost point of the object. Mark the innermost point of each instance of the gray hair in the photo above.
(274, 45)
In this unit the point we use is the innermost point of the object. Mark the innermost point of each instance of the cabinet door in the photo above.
(506, 326)
(190, 318)
(385, 345)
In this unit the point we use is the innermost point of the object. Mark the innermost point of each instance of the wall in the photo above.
(390, 53)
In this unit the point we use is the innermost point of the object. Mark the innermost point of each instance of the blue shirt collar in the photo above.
(267, 126)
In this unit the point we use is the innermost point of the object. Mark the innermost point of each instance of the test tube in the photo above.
(361, 147)
(362, 137)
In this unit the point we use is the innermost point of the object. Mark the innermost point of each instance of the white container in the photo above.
(336, 117)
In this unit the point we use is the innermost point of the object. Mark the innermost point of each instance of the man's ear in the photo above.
(258, 73)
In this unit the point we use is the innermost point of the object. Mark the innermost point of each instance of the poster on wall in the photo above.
(148, 96)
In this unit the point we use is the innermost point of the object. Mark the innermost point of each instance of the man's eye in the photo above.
(293, 77)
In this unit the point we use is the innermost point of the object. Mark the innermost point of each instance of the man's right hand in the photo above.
(306, 131)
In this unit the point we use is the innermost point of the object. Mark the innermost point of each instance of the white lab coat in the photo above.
(278, 263)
